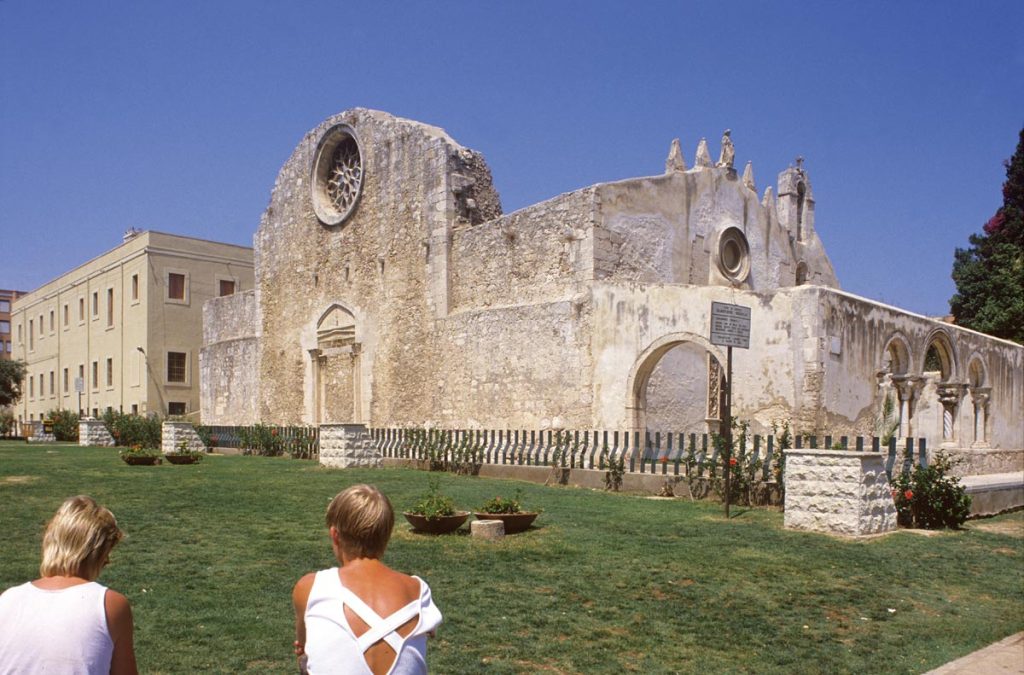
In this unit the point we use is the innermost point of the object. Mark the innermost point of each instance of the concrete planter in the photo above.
(514, 522)
(441, 525)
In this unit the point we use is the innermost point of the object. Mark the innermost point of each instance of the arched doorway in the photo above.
(676, 385)
(942, 394)
(896, 390)
(336, 368)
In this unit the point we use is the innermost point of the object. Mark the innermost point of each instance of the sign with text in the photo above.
(730, 325)
(79, 385)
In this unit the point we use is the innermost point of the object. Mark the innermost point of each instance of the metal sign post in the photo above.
(79, 387)
(730, 327)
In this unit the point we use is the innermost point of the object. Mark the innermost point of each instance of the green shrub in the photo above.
(128, 430)
(929, 498)
(204, 433)
(261, 439)
(7, 423)
(65, 424)
(434, 505)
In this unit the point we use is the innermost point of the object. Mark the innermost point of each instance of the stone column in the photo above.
(314, 359)
(905, 394)
(949, 397)
(980, 397)
(838, 492)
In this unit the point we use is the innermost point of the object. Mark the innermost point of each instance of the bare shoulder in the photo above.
(300, 594)
(117, 607)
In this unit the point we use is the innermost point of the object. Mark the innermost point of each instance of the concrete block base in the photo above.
(344, 446)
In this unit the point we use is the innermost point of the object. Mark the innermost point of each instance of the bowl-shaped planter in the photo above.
(185, 458)
(514, 522)
(140, 460)
(439, 525)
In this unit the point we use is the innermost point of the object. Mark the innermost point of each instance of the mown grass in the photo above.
(605, 583)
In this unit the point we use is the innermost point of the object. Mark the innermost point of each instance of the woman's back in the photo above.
(368, 618)
(59, 631)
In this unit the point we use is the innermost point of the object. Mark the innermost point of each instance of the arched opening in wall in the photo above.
(801, 274)
(980, 395)
(893, 407)
(678, 387)
(941, 395)
(801, 193)
(335, 369)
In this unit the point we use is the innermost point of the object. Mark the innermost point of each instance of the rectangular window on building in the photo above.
(31, 387)
(42, 386)
(53, 379)
(95, 304)
(31, 335)
(67, 380)
(81, 309)
(66, 316)
(227, 287)
(176, 366)
(110, 372)
(53, 324)
(95, 374)
(5, 326)
(175, 286)
(135, 287)
(81, 375)
(42, 328)
(175, 408)
(96, 413)
(110, 307)
(20, 340)
(135, 408)
(8, 346)
(5, 306)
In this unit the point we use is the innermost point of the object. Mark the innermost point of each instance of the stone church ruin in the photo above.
(392, 291)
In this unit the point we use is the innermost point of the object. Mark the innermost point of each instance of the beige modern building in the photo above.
(6, 343)
(122, 331)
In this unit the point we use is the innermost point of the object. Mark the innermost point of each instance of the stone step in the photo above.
(994, 492)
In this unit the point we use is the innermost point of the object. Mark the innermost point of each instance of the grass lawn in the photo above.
(605, 583)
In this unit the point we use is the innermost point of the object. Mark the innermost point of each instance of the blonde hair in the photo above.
(78, 539)
(363, 517)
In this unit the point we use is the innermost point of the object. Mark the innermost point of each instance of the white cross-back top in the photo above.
(332, 646)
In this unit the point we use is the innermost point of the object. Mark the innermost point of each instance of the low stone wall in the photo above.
(172, 434)
(94, 432)
(982, 461)
(838, 492)
(344, 446)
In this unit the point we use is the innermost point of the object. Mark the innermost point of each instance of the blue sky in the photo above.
(176, 116)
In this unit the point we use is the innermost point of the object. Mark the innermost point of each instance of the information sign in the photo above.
(730, 325)
(79, 385)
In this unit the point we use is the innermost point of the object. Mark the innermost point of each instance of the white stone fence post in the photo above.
(344, 446)
(838, 492)
(173, 433)
(92, 431)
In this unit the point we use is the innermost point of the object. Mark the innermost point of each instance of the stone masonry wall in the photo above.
(838, 492)
(173, 434)
(344, 446)
(229, 360)
(94, 432)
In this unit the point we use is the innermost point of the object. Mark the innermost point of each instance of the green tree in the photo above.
(989, 275)
(12, 374)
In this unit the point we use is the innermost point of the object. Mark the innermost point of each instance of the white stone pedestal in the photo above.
(838, 492)
(92, 431)
(173, 433)
(347, 445)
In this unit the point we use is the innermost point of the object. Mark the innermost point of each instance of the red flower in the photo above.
(909, 494)
(273, 432)
(664, 460)
(895, 494)
(732, 461)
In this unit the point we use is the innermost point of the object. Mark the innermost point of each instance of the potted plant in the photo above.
(435, 513)
(137, 455)
(184, 455)
(509, 512)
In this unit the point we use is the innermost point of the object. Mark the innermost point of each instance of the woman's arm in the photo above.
(300, 598)
(120, 625)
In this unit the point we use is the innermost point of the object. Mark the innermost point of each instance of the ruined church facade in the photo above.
(392, 291)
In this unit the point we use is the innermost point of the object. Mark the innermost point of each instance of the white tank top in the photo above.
(61, 631)
(332, 646)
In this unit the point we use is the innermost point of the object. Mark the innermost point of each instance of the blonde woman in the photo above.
(64, 622)
(362, 617)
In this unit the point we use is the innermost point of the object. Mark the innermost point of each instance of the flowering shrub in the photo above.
(65, 424)
(928, 498)
(502, 505)
(128, 430)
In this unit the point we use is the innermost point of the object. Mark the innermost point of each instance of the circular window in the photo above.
(337, 176)
(734, 254)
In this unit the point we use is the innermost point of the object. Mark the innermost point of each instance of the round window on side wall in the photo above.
(337, 175)
(734, 255)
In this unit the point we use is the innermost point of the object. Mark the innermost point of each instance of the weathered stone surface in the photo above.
(37, 433)
(94, 432)
(178, 436)
(838, 492)
(429, 307)
(491, 530)
(344, 446)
